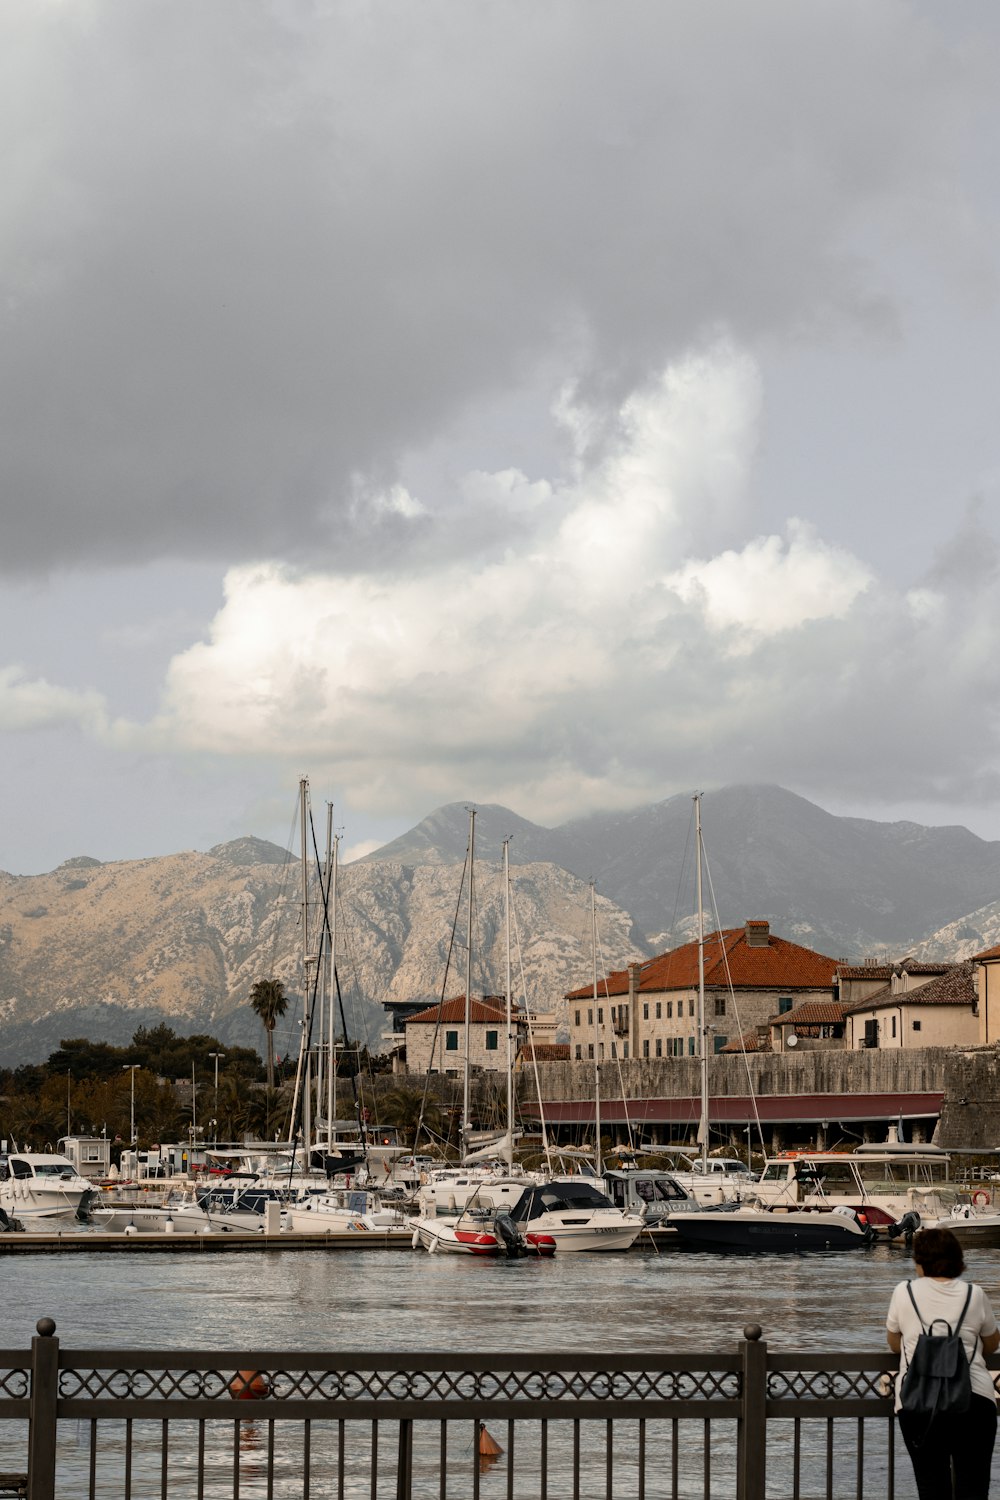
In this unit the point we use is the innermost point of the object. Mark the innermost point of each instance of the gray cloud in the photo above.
(250, 253)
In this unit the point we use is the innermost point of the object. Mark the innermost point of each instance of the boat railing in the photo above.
(745, 1422)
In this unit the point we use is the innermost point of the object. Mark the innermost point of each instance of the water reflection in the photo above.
(409, 1301)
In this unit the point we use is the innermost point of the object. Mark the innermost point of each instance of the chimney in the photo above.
(757, 933)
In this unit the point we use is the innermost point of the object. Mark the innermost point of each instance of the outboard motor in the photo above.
(507, 1235)
(907, 1226)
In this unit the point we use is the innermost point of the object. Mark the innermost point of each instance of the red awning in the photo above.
(738, 1109)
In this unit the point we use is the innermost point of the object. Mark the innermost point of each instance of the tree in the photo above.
(269, 1002)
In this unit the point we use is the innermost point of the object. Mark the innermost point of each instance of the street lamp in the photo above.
(132, 1069)
(218, 1057)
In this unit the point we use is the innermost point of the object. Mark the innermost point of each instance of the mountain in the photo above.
(848, 886)
(100, 949)
(97, 949)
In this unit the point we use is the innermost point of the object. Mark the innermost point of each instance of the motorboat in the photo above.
(481, 1232)
(38, 1185)
(576, 1215)
(717, 1179)
(654, 1195)
(357, 1211)
(775, 1229)
(884, 1181)
(451, 1189)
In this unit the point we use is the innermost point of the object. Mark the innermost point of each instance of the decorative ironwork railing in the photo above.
(96, 1423)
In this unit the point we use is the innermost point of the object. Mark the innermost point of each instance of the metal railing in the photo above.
(372, 1426)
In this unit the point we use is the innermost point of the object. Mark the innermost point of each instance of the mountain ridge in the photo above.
(99, 948)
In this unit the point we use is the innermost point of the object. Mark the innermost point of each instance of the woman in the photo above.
(960, 1439)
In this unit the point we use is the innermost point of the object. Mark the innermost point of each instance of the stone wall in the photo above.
(970, 1081)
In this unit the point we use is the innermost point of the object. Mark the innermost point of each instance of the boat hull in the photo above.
(764, 1231)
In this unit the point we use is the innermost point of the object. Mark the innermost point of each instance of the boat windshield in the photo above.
(556, 1196)
(658, 1189)
(53, 1169)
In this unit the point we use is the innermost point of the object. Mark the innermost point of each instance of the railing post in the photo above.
(42, 1412)
(753, 1418)
(404, 1460)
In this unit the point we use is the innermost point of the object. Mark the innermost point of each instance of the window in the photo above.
(645, 1011)
(894, 1025)
(720, 1042)
(645, 1047)
(491, 1041)
(659, 1047)
(784, 1004)
(614, 1049)
(690, 1046)
(670, 1010)
(625, 1049)
(690, 1006)
(579, 1052)
(451, 1041)
(720, 1005)
(916, 1026)
(576, 1018)
(600, 1015)
(600, 1051)
(590, 1051)
(659, 1011)
(590, 1016)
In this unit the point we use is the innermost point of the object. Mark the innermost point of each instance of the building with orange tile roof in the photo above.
(651, 1009)
(940, 1013)
(435, 1037)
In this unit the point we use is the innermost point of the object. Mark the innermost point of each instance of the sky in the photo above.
(561, 405)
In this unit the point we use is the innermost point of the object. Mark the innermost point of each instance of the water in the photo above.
(406, 1301)
(409, 1300)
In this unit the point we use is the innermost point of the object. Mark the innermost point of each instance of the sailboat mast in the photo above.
(598, 1164)
(306, 996)
(702, 1026)
(332, 845)
(510, 1026)
(466, 1094)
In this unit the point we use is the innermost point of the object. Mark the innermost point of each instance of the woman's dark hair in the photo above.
(938, 1253)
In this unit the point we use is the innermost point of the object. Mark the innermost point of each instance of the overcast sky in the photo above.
(536, 402)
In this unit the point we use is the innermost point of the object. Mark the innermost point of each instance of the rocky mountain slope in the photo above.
(99, 949)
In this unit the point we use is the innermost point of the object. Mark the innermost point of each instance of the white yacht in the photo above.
(345, 1212)
(576, 1215)
(38, 1185)
(883, 1181)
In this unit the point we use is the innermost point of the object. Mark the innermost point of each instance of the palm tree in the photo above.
(269, 1001)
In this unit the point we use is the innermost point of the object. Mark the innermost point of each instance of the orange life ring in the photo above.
(980, 1197)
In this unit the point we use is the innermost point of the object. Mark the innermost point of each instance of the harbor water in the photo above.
(397, 1301)
(402, 1300)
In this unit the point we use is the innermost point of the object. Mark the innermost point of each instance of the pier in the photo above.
(66, 1241)
(390, 1426)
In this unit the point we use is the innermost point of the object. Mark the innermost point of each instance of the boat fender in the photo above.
(415, 1241)
(980, 1197)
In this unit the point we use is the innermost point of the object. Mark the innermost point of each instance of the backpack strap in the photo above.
(952, 1331)
(965, 1309)
(916, 1309)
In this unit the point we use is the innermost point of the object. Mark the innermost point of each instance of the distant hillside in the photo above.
(99, 949)
(847, 886)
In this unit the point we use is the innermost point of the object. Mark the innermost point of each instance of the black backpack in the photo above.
(937, 1378)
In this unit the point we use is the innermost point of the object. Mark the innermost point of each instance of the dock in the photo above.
(31, 1243)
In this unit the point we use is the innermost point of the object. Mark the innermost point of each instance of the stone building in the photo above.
(941, 1012)
(435, 1037)
(650, 1010)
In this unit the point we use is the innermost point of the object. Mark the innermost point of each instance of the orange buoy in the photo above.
(488, 1446)
(249, 1385)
